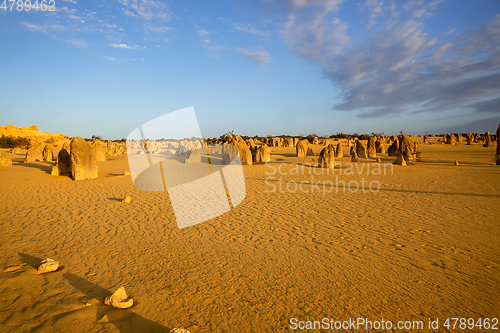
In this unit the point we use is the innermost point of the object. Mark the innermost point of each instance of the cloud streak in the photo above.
(249, 28)
(124, 46)
(78, 43)
(45, 27)
(148, 10)
(258, 57)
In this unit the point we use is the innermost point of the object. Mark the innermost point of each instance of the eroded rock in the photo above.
(48, 265)
(119, 299)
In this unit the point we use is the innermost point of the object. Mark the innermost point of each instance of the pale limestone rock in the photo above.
(302, 147)
(5, 161)
(371, 150)
(119, 299)
(98, 150)
(48, 265)
(400, 160)
(326, 157)
(83, 160)
(179, 330)
(194, 156)
(33, 155)
(354, 156)
(47, 154)
(339, 152)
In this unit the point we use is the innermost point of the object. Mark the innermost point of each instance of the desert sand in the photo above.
(426, 245)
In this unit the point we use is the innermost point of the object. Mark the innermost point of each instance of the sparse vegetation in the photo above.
(227, 135)
(10, 142)
(6, 142)
(340, 136)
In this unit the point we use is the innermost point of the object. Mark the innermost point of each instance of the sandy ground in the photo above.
(426, 245)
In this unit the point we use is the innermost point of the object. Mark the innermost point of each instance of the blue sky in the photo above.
(265, 67)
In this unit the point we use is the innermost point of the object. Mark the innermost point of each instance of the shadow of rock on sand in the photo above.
(43, 166)
(124, 320)
(30, 260)
(35, 261)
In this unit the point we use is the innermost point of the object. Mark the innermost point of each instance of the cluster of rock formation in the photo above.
(261, 154)
(404, 149)
(470, 138)
(79, 160)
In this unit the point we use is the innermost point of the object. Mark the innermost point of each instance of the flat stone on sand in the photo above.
(48, 265)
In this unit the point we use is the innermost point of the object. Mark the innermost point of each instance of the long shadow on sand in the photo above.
(124, 320)
(285, 155)
(30, 260)
(34, 261)
(346, 189)
(47, 168)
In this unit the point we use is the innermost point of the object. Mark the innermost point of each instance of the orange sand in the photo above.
(425, 246)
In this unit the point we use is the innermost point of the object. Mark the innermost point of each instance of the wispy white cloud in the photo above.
(74, 17)
(249, 28)
(258, 57)
(316, 38)
(109, 58)
(421, 9)
(66, 10)
(146, 9)
(78, 43)
(124, 46)
(45, 27)
(376, 8)
(157, 29)
(128, 12)
(202, 32)
(71, 1)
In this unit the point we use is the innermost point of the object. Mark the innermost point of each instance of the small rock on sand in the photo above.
(127, 199)
(119, 299)
(48, 265)
(456, 163)
(179, 330)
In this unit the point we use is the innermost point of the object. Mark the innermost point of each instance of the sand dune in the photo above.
(426, 245)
